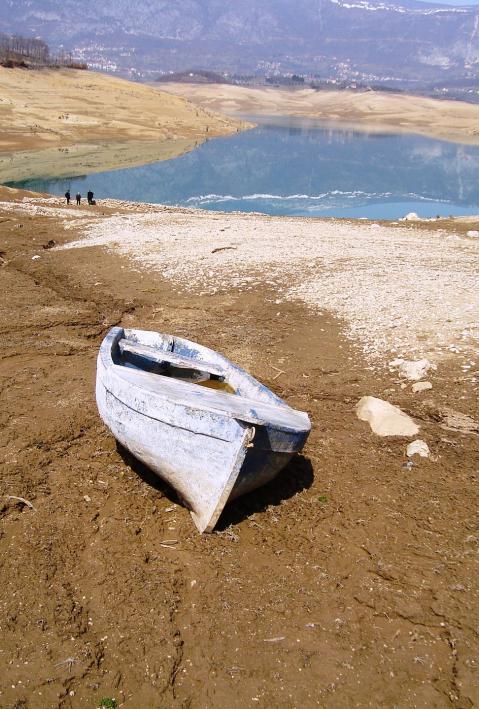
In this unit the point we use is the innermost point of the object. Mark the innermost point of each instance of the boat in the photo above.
(200, 422)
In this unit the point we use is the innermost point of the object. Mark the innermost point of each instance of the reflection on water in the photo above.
(298, 168)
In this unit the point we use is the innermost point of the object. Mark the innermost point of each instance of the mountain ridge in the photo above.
(361, 38)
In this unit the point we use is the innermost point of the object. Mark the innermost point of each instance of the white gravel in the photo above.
(398, 288)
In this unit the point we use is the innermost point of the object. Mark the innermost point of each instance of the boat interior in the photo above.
(167, 363)
(195, 375)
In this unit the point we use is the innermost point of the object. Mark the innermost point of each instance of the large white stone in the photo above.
(418, 447)
(414, 370)
(421, 386)
(384, 418)
(473, 234)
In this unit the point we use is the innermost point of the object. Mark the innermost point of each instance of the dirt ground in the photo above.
(350, 581)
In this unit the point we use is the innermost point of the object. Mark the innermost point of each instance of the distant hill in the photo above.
(56, 121)
(193, 77)
(369, 39)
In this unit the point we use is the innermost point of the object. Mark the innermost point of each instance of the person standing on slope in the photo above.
(78, 199)
(68, 196)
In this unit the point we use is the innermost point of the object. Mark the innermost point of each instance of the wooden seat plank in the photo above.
(159, 356)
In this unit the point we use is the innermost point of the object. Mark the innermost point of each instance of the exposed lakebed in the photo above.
(290, 167)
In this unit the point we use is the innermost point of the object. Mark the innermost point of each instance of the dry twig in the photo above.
(224, 248)
(280, 371)
(169, 543)
(22, 499)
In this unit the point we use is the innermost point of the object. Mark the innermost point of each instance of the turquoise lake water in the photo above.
(301, 169)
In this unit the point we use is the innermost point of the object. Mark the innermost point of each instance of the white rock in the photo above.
(411, 217)
(396, 362)
(418, 448)
(414, 370)
(473, 234)
(421, 386)
(35, 258)
(384, 418)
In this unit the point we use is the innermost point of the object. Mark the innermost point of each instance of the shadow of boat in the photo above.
(295, 477)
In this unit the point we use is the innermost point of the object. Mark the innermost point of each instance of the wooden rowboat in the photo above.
(196, 419)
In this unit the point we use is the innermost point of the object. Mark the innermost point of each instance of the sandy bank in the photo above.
(402, 289)
(368, 111)
(54, 123)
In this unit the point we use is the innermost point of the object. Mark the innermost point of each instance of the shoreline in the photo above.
(364, 249)
(373, 112)
(464, 222)
(50, 119)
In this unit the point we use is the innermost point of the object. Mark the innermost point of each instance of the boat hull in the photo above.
(200, 468)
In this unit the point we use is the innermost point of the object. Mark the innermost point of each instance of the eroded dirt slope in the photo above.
(60, 122)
